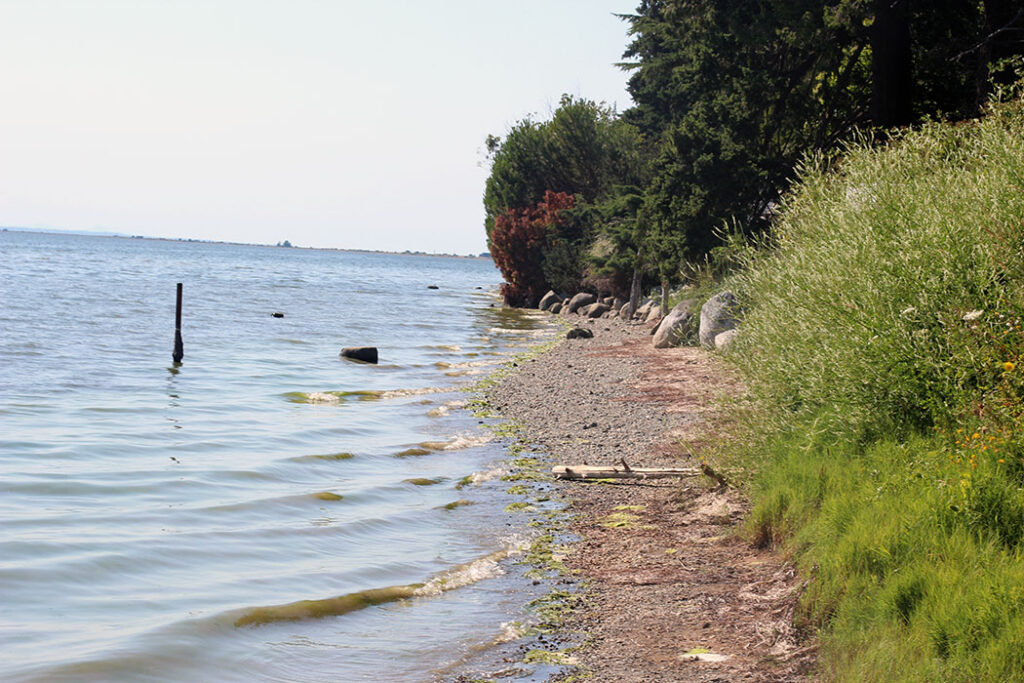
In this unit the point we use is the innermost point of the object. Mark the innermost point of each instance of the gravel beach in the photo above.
(675, 593)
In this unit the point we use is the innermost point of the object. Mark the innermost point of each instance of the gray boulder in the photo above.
(718, 314)
(724, 340)
(555, 307)
(579, 333)
(643, 309)
(580, 300)
(624, 311)
(547, 301)
(672, 329)
(594, 310)
(653, 313)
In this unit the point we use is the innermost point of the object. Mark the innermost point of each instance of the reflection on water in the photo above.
(129, 549)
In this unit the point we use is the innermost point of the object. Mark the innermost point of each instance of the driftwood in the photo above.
(618, 472)
(624, 471)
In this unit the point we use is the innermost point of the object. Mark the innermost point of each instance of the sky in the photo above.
(327, 123)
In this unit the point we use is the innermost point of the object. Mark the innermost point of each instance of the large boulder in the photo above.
(718, 314)
(653, 313)
(624, 311)
(594, 310)
(673, 327)
(579, 301)
(547, 301)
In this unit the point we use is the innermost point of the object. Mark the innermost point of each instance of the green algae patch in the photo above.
(518, 506)
(517, 490)
(456, 504)
(549, 657)
(422, 481)
(329, 607)
(327, 496)
(620, 520)
(333, 456)
(411, 452)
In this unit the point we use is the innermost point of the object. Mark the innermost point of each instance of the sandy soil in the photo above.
(675, 593)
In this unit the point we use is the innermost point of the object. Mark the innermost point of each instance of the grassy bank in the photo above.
(882, 347)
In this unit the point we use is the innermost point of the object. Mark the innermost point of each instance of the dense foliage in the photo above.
(884, 348)
(729, 96)
(520, 244)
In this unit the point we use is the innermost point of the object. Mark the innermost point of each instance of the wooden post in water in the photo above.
(179, 347)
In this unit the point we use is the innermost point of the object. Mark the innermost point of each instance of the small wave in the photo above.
(326, 456)
(421, 481)
(443, 347)
(457, 443)
(465, 575)
(336, 397)
(409, 452)
(480, 477)
(456, 577)
(445, 409)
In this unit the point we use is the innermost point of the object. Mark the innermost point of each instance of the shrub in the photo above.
(519, 244)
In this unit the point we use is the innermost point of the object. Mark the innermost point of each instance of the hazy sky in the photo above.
(326, 123)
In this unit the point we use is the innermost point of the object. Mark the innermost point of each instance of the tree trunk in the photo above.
(634, 289)
(664, 298)
(891, 64)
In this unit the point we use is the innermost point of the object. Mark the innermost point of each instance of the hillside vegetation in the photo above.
(883, 346)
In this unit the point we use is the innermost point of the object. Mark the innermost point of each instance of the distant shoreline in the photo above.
(120, 235)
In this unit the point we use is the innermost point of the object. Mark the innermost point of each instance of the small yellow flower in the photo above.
(1008, 366)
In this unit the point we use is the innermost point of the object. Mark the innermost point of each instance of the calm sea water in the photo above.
(153, 519)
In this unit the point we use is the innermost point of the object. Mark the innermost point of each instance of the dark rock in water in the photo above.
(433, 287)
(277, 314)
(555, 307)
(364, 354)
(579, 333)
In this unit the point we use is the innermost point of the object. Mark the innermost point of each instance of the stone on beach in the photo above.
(672, 329)
(580, 300)
(579, 333)
(720, 313)
(548, 300)
(555, 307)
(594, 310)
(364, 354)
(724, 340)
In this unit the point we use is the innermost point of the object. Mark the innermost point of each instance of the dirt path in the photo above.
(674, 594)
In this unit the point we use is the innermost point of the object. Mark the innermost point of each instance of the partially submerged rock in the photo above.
(720, 313)
(363, 354)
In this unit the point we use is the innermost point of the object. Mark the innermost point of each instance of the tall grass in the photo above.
(882, 344)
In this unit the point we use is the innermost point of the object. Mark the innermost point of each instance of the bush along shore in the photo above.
(878, 335)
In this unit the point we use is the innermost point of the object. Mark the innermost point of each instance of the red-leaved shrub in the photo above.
(518, 244)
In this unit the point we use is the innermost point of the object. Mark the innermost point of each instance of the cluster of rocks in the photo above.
(718, 324)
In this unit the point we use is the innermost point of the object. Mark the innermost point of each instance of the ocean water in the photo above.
(223, 520)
